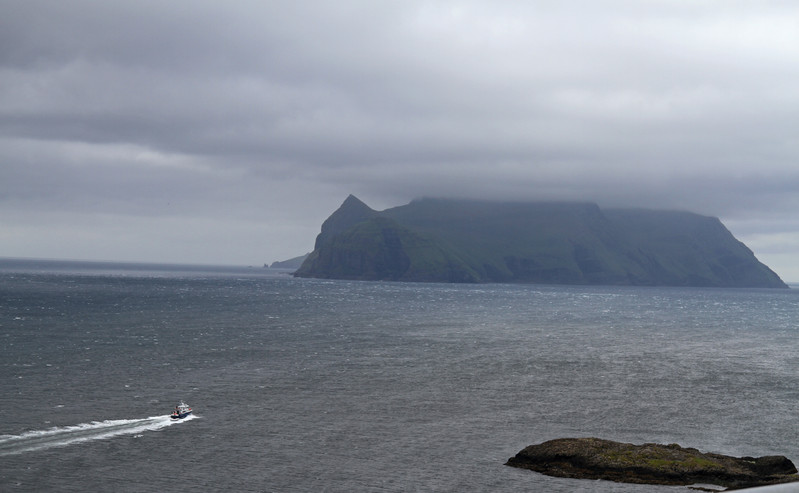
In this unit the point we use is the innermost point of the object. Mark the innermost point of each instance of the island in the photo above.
(594, 458)
(468, 241)
(292, 263)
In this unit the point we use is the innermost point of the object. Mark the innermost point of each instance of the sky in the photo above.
(210, 132)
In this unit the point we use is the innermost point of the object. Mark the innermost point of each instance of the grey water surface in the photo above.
(310, 385)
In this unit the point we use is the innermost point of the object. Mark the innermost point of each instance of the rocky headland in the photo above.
(650, 463)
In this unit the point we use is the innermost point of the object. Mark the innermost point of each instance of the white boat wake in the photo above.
(68, 435)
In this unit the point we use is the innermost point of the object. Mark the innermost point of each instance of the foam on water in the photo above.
(68, 435)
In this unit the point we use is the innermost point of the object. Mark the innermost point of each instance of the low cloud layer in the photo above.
(226, 132)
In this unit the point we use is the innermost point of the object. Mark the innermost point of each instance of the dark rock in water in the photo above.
(594, 458)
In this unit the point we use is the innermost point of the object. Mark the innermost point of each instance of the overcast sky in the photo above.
(226, 132)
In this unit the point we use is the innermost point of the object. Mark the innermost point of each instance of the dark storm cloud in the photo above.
(233, 110)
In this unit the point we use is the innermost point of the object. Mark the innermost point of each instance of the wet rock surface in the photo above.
(650, 463)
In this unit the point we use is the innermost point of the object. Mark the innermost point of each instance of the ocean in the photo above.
(305, 385)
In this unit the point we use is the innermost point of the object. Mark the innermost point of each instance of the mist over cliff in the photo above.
(447, 240)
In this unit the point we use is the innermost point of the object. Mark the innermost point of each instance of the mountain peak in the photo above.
(352, 202)
(350, 212)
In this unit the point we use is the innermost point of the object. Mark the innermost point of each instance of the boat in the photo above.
(181, 411)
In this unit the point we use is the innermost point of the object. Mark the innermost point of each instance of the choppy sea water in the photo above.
(307, 385)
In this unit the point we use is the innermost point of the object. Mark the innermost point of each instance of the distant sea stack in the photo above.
(446, 240)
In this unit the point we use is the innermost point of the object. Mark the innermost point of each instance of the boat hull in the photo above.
(180, 416)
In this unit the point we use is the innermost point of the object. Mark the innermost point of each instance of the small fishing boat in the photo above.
(181, 411)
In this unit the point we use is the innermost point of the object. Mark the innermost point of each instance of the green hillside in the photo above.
(441, 240)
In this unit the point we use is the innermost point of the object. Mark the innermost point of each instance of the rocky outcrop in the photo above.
(594, 458)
